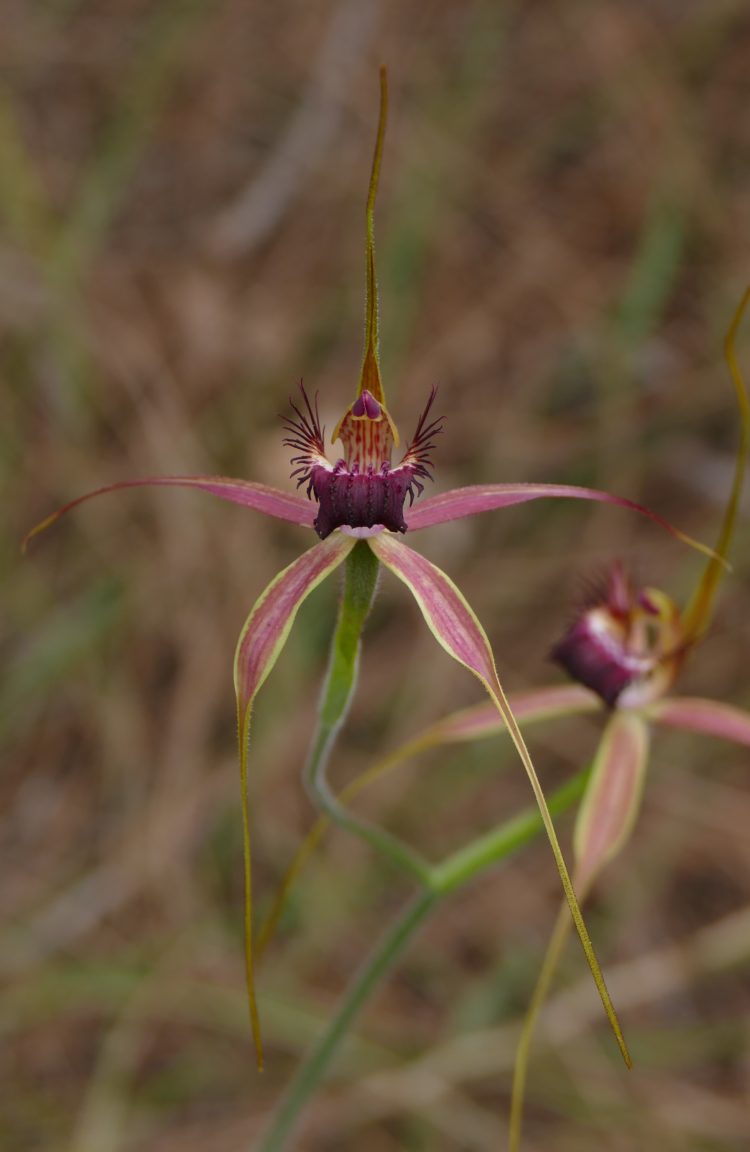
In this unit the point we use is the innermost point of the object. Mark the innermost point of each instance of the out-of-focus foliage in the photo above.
(563, 235)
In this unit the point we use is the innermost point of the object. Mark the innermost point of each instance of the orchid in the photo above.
(624, 651)
(357, 505)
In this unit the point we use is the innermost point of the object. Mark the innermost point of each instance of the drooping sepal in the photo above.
(261, 640)
(609, 808)
(457, 629)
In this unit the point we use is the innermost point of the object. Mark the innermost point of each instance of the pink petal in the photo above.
(532, 707)
(272, 501)
(457, 630)
(266, 629)
(610, 805)
(706, 716)
(444, 608)
(261, 640)
(460, 502)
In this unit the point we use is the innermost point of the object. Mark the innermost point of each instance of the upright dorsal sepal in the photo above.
(369, 405)
(370, 374)
(363, 490)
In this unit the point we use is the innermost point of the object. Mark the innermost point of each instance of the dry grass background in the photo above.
(563, 235)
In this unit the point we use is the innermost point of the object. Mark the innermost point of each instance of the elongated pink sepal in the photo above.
(532, 707)
(706, 716)
(262, 638)
(460, 502)
(456, 628)
(271, 501)
(610, 805)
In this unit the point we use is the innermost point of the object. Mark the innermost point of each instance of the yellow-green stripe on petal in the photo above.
(456, 628)
(261, 640)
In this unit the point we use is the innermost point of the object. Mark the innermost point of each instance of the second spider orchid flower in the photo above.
(624, 651)
(363, 495)
(627, 648)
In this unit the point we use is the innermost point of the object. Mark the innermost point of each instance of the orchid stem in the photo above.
(311, 1072)
(360, 578)
(376, 968)
(469, 861)
(452, 873)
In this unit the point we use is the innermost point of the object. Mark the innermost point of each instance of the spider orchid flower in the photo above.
(626, 649)
(361, 496)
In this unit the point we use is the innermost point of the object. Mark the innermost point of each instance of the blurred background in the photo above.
(563, 237)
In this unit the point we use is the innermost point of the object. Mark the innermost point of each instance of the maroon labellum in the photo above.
(361, 490)
(626, 645)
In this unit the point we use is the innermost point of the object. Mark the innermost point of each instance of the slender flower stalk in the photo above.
(362, 494)
(360, 577)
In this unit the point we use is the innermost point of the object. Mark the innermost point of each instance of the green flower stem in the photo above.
(450, 874)
(467, 862)
(360, 578)
(311, 1072)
